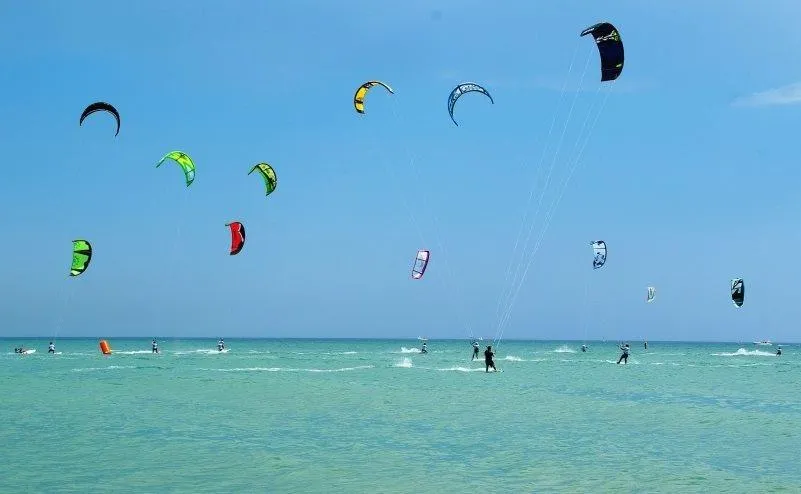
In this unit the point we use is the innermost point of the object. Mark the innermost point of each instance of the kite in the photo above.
(610, 48)
(651, 294)
(101, 106)
(184, 161)
(738, 292)
(237, 236)
(361, 93)
(81, 255)
(458, 91)
(420, 264)
(599, 248)
(268, 174)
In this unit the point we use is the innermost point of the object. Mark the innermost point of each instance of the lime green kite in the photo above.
(184, 161)
(269, 176)
(81, 255)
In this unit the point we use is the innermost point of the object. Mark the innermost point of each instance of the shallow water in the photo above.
(377, 416)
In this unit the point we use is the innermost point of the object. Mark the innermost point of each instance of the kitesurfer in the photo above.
(583, 348)
(645, 343)
(220, 345)
(488, 362)
(625, 356)
(475, 350)
(154, 346)
(779, 351)
(51, 348)
(424, 349)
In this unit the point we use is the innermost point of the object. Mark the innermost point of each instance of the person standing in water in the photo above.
(645, 343)
(155, 346)
(583, 348)
(424, 349)
(51, 348)
(779, 351)
(625, 356)
(220, 345)
(488, 362)
(475, 350)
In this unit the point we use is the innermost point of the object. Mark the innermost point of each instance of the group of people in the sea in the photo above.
(51, 348)
(154, 347)
(489, 363)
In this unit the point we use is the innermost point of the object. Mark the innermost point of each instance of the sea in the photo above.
(377, 416)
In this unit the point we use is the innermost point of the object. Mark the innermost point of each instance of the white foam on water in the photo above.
(405, 363)
(743, 352)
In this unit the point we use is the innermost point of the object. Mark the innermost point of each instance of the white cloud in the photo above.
(785, 95)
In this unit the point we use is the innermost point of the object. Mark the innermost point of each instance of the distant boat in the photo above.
(763, 343)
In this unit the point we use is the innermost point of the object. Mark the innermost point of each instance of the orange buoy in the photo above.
(104, 347)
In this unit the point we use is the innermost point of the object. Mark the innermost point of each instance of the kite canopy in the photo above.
(651, 294)
(599, 250)
(268, 174)
(420, 264)
(458, 91)
(184, 161)
(101, 106)
(361, 93)
(610, 48)
(237, 236)
(738, 292)
(81, 255)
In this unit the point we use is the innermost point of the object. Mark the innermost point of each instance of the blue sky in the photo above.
(691, 175)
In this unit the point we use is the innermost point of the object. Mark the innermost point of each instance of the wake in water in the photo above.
(200, 351)
(743, 352)
(409, 350)
(564, 349)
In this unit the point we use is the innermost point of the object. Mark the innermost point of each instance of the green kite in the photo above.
(184, 161)
(81, 255)
(269, 176)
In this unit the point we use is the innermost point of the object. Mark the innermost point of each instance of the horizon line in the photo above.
(352, 338)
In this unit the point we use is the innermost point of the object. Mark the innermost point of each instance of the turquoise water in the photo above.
(369, 416)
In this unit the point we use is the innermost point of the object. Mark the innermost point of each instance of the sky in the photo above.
(686, 166)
